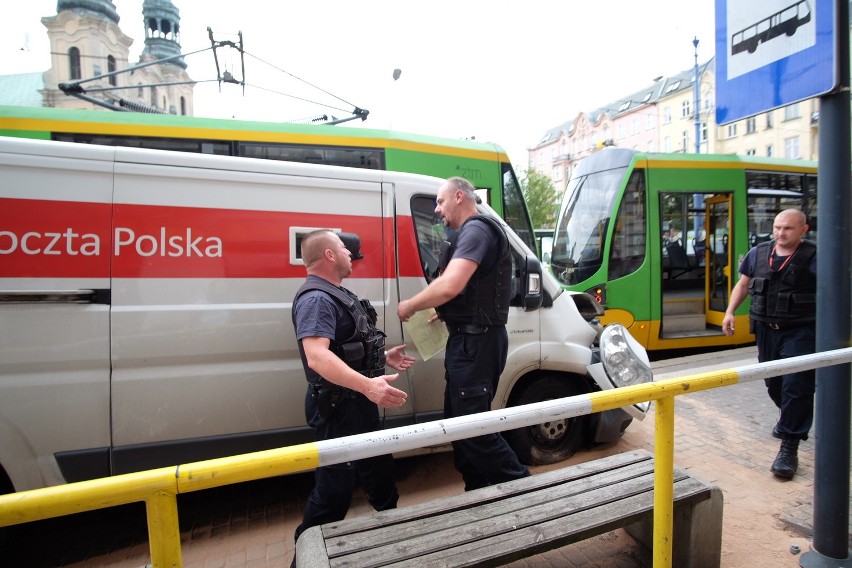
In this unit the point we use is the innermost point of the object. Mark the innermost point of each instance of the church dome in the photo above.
(103, 7)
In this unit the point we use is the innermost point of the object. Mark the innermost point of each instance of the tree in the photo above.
(541, 197)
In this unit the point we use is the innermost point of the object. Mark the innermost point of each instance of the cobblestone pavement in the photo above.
(722, 436)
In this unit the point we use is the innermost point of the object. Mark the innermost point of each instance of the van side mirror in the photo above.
(531, 277)
(352, 242)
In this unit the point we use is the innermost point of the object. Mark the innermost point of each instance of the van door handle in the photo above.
(94, 296)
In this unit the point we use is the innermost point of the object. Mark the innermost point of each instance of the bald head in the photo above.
(456, 201)
(793, 216)
(314, 245)
(789, 229)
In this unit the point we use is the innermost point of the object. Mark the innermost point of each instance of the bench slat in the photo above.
(613, 505)
(444, 520)
(526, 542)
(466, 500)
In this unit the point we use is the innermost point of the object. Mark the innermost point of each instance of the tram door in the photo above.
(720, 274)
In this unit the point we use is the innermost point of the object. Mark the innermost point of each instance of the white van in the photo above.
(145, 304)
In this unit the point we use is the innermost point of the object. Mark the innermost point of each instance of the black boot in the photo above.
(787, 461)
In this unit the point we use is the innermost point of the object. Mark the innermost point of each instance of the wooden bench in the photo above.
(502, 523)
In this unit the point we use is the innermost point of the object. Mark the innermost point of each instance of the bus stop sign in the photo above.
(772, 53)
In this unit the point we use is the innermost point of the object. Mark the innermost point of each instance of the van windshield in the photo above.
(578, 245)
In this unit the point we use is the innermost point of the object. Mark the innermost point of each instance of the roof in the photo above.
(21, 89)
(660, 88)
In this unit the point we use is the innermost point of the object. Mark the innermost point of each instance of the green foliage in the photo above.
(541, 197)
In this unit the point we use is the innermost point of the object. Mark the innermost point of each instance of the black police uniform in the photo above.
(477, 348)
(324, 310)
(783, 316)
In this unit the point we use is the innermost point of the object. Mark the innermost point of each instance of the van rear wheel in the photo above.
(552, 441)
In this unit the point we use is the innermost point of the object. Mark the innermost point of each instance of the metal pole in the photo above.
(831, 427)
(663, 481)
(696, 94)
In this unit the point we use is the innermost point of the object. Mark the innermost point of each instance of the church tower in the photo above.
(86, 41)
(171, 88)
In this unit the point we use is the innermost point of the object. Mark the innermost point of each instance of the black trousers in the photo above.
(333, 485)
(792, 393)
(473, 364)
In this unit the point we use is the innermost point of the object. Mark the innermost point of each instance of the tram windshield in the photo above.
(581, 229)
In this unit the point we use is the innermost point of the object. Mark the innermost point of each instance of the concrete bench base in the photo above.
(499, 524)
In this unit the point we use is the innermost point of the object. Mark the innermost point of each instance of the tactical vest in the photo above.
(786, 296)
(364, 350)
(485, 299)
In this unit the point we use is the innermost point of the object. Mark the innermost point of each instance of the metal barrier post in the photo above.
(663, 481)
(163, 530)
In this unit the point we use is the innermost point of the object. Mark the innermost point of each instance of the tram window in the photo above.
(770, 193)
(628, 244)
(366, 158)
(171, 144)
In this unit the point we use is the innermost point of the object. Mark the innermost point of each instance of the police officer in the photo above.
(344, 359)
(471, 295)
(780, 275)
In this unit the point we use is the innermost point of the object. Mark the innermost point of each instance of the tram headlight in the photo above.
(621, 361)
(624, 359)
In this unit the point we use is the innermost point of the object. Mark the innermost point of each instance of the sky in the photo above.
(495, 70)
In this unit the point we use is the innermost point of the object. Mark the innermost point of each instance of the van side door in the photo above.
(55, 241)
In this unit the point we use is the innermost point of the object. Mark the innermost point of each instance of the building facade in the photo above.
(662, 118)
(87, 43)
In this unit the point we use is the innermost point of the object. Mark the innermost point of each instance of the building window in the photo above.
(791, 147)
(74, 62)
(751, 125)
(154, 97)
(791, 112)
(685, 140)
(667, 115)
(635, 125)
(111, 68)
(685, 109)
(769, 151)
(140, 92)
(769, 120)
(751, 152)
(667, 144)
(704, 132)
(651, 122)
(732, 130)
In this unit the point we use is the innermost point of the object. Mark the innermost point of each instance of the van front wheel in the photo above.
(552, 441)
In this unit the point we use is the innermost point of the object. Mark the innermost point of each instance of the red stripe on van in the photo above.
(54, 239)
(62, 239)
(172, 242)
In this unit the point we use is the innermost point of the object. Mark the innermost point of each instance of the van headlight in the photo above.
(624, 359)
(620, 361)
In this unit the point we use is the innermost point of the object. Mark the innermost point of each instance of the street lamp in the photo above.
(697, 199)
(696, 91)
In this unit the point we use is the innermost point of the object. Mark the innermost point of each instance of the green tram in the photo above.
(486, 165)
(658, 238)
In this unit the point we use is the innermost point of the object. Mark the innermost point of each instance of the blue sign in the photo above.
(772, 53)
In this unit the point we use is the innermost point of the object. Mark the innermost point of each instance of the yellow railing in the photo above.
(159, 488)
